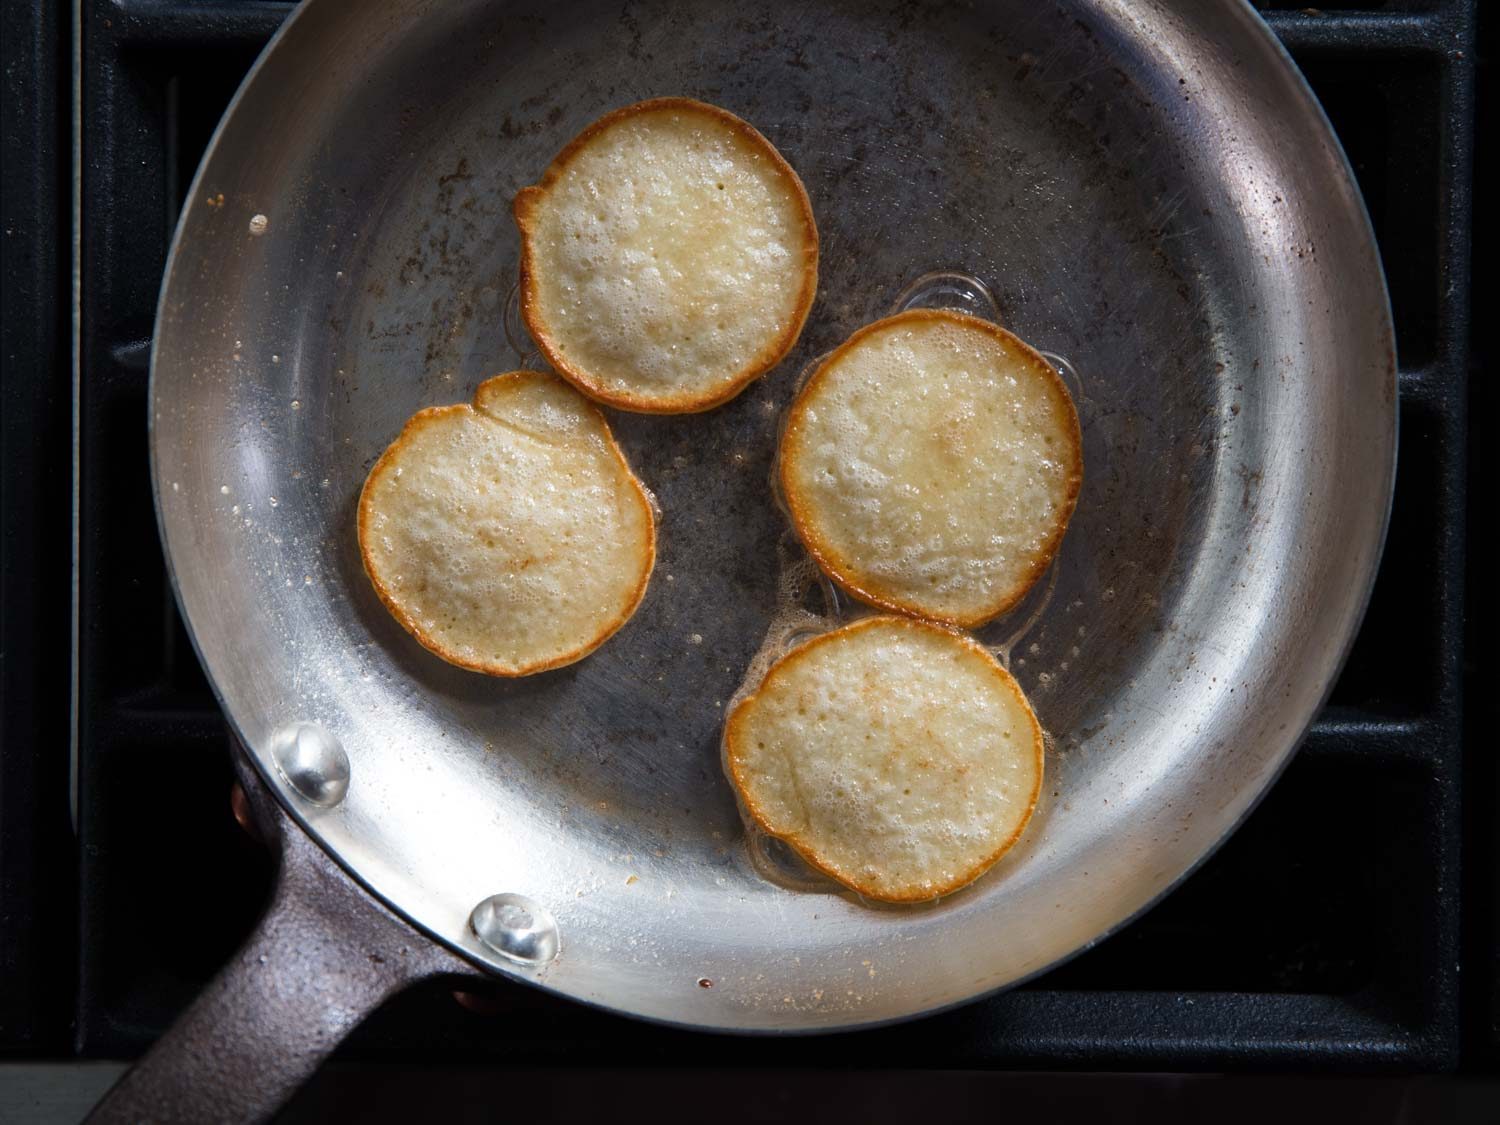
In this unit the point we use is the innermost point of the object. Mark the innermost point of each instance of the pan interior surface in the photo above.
(1150, 193)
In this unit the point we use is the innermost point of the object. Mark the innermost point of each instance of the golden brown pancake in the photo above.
(508, 536)
(931, 464)
(897, 756)
(669, 257)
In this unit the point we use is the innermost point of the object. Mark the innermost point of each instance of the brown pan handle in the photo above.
(323, 957)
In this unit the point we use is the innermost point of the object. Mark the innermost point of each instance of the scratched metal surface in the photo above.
(1149, 190)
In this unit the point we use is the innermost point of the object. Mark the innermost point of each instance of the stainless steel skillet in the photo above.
(1149, 191)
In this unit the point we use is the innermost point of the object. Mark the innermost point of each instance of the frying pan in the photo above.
(1147, 189)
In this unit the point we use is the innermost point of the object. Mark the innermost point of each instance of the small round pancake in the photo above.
(668, 257)
(509, 536)
(894, 755)
(930, 465)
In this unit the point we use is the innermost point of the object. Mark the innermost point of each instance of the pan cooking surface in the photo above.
(1150, 195)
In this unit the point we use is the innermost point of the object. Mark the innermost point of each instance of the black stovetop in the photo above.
(1330, 931)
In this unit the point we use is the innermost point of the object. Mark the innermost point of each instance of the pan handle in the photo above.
(325, 955)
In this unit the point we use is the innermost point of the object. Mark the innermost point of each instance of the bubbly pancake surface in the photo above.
(669, 256)
(892, 754)
(931, 464)
(508, 536)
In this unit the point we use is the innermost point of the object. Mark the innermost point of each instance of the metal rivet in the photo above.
(312, 762)
(517, 928)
